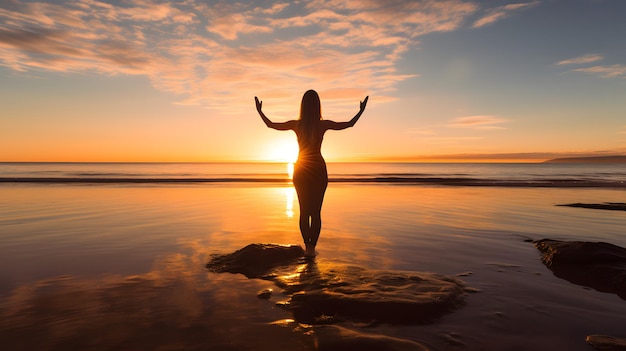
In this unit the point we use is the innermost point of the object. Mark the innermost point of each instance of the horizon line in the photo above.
(521, 157)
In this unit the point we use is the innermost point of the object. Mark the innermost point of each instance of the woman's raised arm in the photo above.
(332, 125)
(289, 125)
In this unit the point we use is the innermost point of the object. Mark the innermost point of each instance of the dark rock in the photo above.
(359, 294)
(336, 338)
(606, 343)
(613, 206)
(327, 293)
(598, 265)
(265, 294)
(256, 260)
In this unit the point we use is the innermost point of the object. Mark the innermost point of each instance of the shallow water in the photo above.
(121, 266)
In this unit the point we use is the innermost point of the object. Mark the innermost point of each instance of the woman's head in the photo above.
(310, 108)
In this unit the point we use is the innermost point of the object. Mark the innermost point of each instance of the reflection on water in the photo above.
(176, 306)
(122, 267)
(290, 168)
(289, 199)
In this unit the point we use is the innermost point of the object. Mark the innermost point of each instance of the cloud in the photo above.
(603, 71)
(230, 22)
(612, 71)
(214, 53)
(501, 12)
(581, 59)
(478, 122)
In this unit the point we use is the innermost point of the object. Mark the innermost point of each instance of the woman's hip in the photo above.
(310, 173)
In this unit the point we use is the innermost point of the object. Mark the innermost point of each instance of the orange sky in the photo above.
(449, 80)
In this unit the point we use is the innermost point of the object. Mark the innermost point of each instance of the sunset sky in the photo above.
(138, 80)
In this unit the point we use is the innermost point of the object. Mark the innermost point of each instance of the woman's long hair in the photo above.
(310, 112)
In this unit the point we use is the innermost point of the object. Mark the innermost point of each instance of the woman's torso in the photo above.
(310, 168)
(310, 139)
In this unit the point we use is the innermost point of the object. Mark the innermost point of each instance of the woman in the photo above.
(310, 177)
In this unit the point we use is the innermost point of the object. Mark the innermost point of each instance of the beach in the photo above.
(462, 163)
(122, 265)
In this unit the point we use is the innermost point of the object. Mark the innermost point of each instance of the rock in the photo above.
(606, 343)
(256, 260)
(265, 294)
(335, 338)
(359, 294)
(614, 206)
(598, 265)
(326, 293)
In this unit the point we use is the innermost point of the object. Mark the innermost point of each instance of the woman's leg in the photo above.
(305, 212)
(310, 223)
(305, 227)
(310, 184)
(316, 215)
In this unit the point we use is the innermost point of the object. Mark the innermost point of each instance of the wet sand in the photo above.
(123, 267)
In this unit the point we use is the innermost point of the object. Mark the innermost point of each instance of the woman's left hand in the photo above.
(363, 103)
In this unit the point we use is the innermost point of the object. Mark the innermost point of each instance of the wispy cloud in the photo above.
(501, 12)
(611, 71)
(581, 59)
(481, 122)
(213, 54)
(603, 71)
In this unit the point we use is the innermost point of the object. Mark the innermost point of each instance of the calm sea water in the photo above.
(505, 174)
(89, 265)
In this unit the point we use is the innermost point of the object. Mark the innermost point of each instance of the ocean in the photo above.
(111, 256)
(462, 174)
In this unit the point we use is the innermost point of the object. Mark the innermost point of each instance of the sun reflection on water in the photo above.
(289, 199)
(290, 167)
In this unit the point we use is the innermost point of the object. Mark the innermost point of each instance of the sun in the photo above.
(283, 151)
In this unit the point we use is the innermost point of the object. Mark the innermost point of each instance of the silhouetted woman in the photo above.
(310, 177)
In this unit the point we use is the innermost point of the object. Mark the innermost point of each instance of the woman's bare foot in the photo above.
(309, 251)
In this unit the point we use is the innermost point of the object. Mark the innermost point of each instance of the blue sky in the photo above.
(174, 81)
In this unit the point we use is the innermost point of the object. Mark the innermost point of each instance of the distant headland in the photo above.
(592, 159)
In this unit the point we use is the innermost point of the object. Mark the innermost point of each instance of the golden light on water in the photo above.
(289, 199)
(290, 167)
